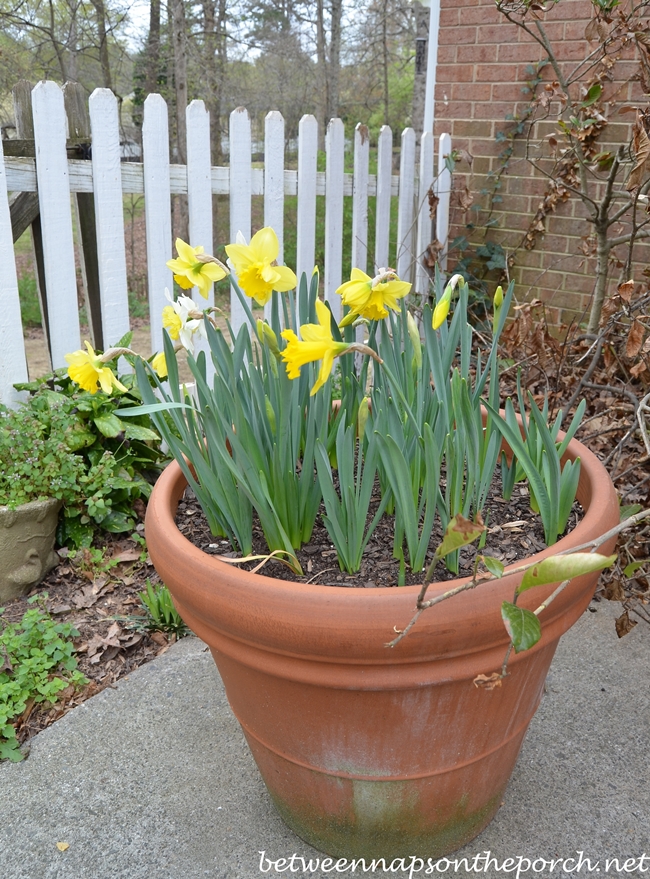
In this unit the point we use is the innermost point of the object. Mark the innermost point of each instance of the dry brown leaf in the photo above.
(433, 202)
(465, 198)
(591, 31)
(614, 591)
(610, 307)
(638, 369)
(488, 682)
(158, 638)
(626, 289)
(431, 253)
(86, 597)
(127, 555)
(641, 150)
(5, 665)
(624, 624)
(634, 339)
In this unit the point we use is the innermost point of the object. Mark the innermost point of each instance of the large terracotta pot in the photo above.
(369, 751)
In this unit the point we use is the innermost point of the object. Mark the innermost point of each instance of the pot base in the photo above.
(360, 818)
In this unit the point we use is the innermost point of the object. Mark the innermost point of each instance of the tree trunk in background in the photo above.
(385, 58)
(334, 60)
(329, 63)
(72, 49)
(152, 51)
(420, 85)
(321, 60)
(214, 28)
(179, 41)
(104, 60)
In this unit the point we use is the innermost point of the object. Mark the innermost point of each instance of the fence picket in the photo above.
(240, 193)
(199, 199)
(157, 209)
(306, 214)
(274, 182)
(199, 195)
(405, 213)
(425, 225)
(334, 173)
(382, 207)
(444, 198)
(360, 198)
(13, 364)
(56, 220)
(109, 215)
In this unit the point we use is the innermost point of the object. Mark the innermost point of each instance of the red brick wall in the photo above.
(482, 65)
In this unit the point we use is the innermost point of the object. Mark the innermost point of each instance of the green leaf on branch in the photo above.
(592, 95)
(522, 625)
(564, 567)
(460, 532)
(633, 567)
(630, 510)
(494, 566)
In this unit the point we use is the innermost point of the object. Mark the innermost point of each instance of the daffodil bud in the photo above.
(268, 337)
(441, 310)
(414, 335)
(362, 418)
(498, 297)
(270, 413)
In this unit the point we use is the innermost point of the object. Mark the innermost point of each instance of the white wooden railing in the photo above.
(55, 177)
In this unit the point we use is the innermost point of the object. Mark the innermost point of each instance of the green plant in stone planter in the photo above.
(118, 460)
(37, 475)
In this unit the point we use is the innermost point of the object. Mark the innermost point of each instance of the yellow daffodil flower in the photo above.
(194, 268)
(159, 364)
(371, 297)
(316, 344)
(89, 371)
(498, 297)
(254, 265)
(182, 321)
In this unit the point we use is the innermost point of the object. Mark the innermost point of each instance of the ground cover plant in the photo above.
(38, 663)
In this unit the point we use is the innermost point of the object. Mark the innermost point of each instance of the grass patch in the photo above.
(30, 308)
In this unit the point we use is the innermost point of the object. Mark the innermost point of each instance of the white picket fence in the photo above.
(55, 177)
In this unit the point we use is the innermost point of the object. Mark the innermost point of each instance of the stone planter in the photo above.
(26, 546)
